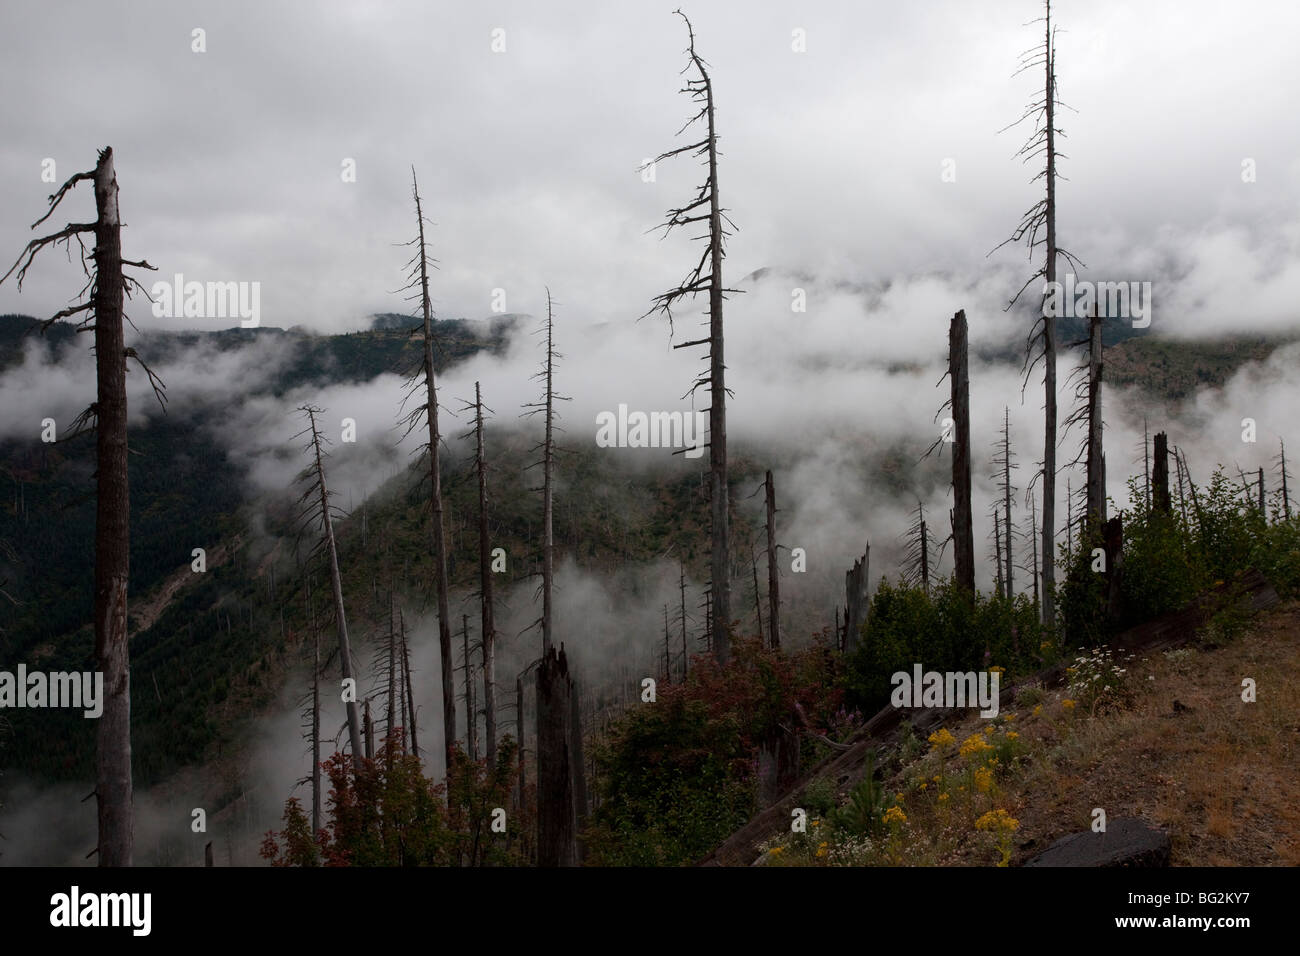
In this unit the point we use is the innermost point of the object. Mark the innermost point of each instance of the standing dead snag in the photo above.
(557, 818)
(917, 563)
(419, 265)
(471, 713)
(1160, 475)
(963, 536)
(107, 286)
(857, 601)
(697, 282)
(488, 625)
(1003, 461)
(773, 575)
(317, 500)
(546, 407)
(1283, 477)
(1041, 217)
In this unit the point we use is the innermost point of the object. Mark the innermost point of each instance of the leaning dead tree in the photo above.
(102, 311)
(317, 508)
(426, 378)
(1037, 228)
(706, 277)
(487, 622)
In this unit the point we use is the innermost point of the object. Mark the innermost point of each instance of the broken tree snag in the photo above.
(579, 767)
(1113, 537)
(773, 578)
(1160, 475)
(557, 822)
(963, 535)
(855, 593)
(1096, 512)
(488, 625)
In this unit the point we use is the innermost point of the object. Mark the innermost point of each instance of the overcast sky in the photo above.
(230, 160)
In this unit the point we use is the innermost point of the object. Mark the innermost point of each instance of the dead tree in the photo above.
(546, 407)
(471, 714)
(681, 584)
(1040, 220)
(1146, 461)
(426, 378)
(1088, 414)
(856, 585)
(997, 553)
(917, 563)
(773, 573)
(758, 597)
(557, 818)
(102, 297)
(1005, 464)
(1261, 493)
(410, 690)
(705, 207)
(316, 498)
(487, 623)
(1282, 477)
(1160, 475)
(963, 535)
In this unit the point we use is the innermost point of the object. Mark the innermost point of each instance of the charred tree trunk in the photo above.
(758, 600)
(556, 805)
(1160, 475)
(1096, 513)
(370, 732)
(856, 584)
(963, 535)
(773, 575)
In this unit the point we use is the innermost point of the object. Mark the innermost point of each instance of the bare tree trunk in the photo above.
(963, 536)
(488, 625)
(1049, 343)
(556, 811)
(758, 598)
(315, 721)
(471, 721)
(1146, 460)
(1096, 514)
(1286, 497)
(997, 553)
(1160, 475)
(410, 691)
(1006, 498)
(681, 583)
(773, 575)
(369, 732)
(435, 497)
(1262, 510)
(519, 732)
(701, 90)
(336, 585)
(856, 584)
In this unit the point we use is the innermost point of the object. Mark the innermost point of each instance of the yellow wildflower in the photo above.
(943, 798)
(983, 779)
(776, 850)
(974, 744)
(1067, 704)
(895, 815)
(941, 738)
(997, 820)
(988, 730)
(1038, 711)
(923, 786)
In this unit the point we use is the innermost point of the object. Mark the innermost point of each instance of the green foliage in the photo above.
(943, 630)
(677, 777)
(864, 812)
(819, 797)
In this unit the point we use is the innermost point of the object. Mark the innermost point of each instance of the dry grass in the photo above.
(1222, 776)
